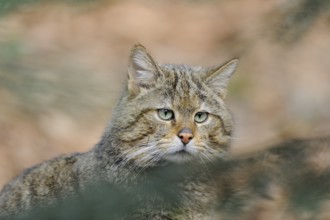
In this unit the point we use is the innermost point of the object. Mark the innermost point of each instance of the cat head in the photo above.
(172, 112)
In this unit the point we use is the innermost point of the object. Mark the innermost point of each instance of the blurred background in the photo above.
(63, 65)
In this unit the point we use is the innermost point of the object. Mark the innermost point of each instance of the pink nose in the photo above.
(185, 135)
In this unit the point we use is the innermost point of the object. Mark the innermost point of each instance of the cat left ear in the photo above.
(219, 77)
(143, 70)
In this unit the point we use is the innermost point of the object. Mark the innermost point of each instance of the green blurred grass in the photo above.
(8, 6)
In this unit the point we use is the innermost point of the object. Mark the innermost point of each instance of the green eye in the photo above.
(166, 114)
(201, 117)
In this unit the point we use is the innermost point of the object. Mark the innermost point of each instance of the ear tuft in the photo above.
(143, 70)
(218, 78)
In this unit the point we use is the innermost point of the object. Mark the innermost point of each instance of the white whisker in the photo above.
(204, 155)
(136, 153)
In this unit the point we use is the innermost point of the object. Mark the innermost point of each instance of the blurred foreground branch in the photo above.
(278, 183)
(7, 6)
(298, 17)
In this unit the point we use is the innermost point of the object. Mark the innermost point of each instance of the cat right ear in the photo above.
(218, 78)
(143, 70)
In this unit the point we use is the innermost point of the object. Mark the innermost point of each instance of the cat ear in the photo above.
(143, 70)
(218, 78)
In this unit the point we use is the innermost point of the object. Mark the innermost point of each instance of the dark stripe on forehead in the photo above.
(176, 78)
(178, 87)
(171, 79)
(185, 86)
(197, 81)
(201, 95)
(184, 83)
(200, 88)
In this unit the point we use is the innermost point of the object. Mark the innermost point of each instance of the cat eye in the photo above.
(166, 114)
(200, 117)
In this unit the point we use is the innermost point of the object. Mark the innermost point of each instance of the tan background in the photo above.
(62, 67)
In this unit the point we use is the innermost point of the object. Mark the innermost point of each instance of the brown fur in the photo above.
(137, 138)
(288, 181)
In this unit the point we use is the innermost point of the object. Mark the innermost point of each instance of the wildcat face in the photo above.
(172, 112)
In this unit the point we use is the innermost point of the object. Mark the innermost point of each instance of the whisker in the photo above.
(211, 176)
(215, 153)
(228, 155)
(138, 152)
(205, 156)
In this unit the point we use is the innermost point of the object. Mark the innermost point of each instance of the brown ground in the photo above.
(62, 68)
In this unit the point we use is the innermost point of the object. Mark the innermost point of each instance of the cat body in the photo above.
(169, 137)
(168, 114)
(288, 181)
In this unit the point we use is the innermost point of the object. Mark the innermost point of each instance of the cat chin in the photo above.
(179, 153)
(179, 158)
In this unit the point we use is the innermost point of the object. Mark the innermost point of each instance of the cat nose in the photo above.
(185, 135)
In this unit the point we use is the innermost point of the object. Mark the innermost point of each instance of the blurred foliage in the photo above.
(107, 201)
(36, 92)
(10, 5)
(10, 49)
(38, 85)
(282, 168)
(297, 19)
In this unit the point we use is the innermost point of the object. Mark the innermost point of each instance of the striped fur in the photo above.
(183, 89)
(137, 139)
(289, 181)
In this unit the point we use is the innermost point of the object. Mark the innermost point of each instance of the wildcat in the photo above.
(168, 114)
(172, 128)
(288, 181)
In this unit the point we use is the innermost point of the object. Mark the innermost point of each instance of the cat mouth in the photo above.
(179, 156)
(179, 153)
(182, 151)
